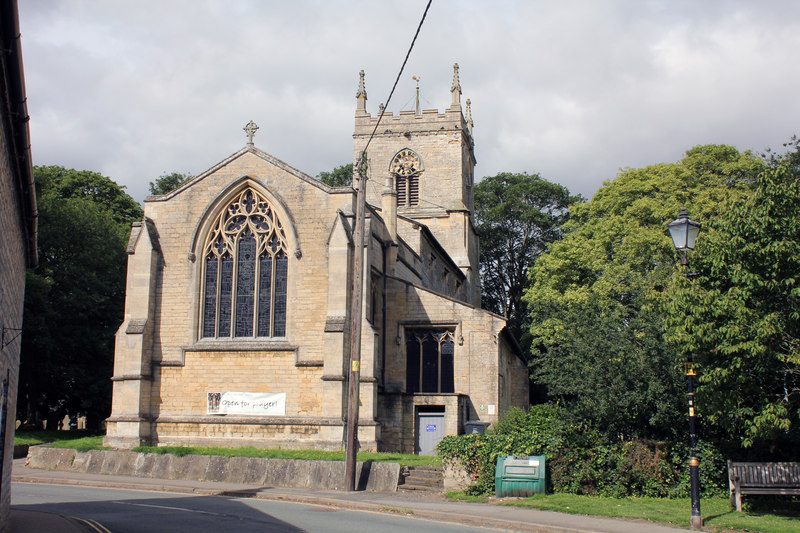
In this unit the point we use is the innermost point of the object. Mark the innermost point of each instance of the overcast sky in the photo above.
(573, 90)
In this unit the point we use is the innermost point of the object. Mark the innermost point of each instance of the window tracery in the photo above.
(245, 269)
(430, 360)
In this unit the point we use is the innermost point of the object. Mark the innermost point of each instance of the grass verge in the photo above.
(458, 496)
(84, 441)
(313, 455)
(76, 439)
(764, 514)
(83, 444)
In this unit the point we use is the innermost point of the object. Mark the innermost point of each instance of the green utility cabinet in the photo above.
(519, 475)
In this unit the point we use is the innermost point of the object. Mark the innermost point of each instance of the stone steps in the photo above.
(426, 478)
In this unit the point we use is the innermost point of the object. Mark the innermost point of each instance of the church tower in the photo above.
(424, 161)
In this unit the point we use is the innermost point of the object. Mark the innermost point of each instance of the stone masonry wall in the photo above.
(477, 358)
(12, 292)
(182, 390)
(177, 219)
(185, 368)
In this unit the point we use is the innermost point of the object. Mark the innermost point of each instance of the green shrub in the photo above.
(581, 460)
(535, 432)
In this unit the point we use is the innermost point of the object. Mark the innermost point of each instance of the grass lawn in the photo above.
(84, 441)
(762, 514)
(76, 439)
(315, 455)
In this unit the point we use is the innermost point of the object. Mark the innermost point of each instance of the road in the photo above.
(128, 511)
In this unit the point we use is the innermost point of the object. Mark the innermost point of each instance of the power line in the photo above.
(414, 40)
(354, 370)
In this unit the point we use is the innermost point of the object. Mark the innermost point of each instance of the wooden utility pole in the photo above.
(357, 289)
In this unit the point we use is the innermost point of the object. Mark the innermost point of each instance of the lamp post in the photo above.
(684, 234)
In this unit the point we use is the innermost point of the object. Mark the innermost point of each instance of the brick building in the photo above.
(238, 289)
(17, 233)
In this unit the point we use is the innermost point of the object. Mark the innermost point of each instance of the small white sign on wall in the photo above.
(246, 403)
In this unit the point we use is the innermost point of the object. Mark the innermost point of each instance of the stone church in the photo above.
(235, 330)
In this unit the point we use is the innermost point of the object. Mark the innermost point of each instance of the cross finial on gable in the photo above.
(251, 128)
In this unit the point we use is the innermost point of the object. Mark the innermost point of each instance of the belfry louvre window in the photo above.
(407, 191)
(429, 360)
(406, 167)
(245, 268)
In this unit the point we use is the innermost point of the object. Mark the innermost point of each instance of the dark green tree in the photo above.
(613, 372)
(338, 177)
(57, 183)
(739, 316)
(168, 182)
(594, 296)
(74, 299)
(517, 216)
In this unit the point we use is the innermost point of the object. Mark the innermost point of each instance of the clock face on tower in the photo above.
(405, 163)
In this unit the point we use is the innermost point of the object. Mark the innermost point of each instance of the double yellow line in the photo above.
(94, 525)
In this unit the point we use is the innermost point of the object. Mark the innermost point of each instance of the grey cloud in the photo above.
(573, 90)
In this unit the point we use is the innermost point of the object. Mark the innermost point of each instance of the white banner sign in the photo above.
(247, 403)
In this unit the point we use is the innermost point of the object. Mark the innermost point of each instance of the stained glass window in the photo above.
(245, 285)
(245, 271)
(210, 298)
(265, 295)
(281, 271)
(430, 360)
(225, 296)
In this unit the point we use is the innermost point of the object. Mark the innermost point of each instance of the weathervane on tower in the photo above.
(250, 128)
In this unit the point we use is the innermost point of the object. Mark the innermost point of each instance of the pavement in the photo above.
(421, 504)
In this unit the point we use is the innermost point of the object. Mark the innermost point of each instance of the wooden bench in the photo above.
(762, 478)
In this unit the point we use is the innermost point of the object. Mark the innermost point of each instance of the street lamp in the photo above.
(684, 234)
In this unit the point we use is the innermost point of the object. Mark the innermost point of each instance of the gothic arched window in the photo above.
(245, 268)
(430, 360)
(406, 168)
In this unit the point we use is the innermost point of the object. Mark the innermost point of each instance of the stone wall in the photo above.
(307, 212)
(12, 292)
(18, 221)
(481, 357)
(180, 367)
(329, 475)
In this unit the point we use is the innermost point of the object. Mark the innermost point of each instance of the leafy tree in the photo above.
(618, 378)
(74, 299)
(166, 183)
(55, 183)
(517, 216)
(739, 317)
(607, 275)
(338, 177)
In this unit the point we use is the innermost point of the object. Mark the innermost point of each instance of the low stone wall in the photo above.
(370, 476)
(456, 477)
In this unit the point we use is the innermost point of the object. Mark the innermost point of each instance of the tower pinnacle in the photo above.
(361, 95)
(455, 89)
(469, 117)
